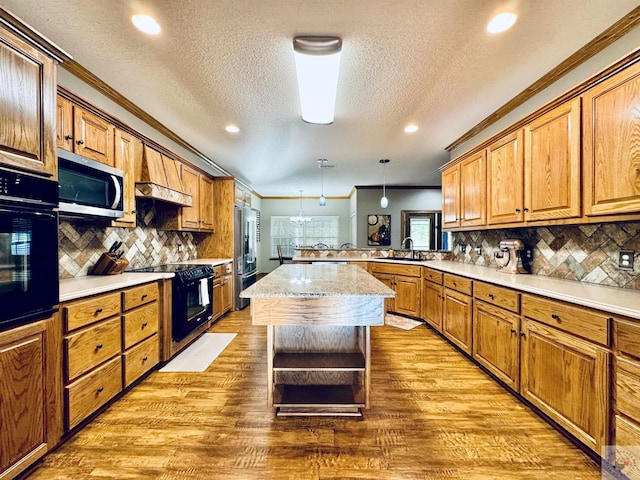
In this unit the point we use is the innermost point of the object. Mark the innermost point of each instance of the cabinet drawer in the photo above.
(589, 324)
(432, 275)
(218, 271)
(628, 388)
(227, 267)
(627, 433)
(83, 312)
(460, 284)
(390, 268)
(140, 359)
(501, 297)
(628, 337)
(89, 393)
(136, 296)
(92, 346)
(140, 323)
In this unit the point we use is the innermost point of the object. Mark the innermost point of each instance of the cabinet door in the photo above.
(206, 203)
(568, 379)
(552, 164)
(610, 148)
(172, 173)
(227, 293)
(388, 280)
(456, 321)
(64, 124)
(22, 398)
(495, 342)
(28, 113)
(505, 179)
(432, 304)
(191, 183)
(218, 298)
(451, 197)
(407, 295)
(93, 136)
(473, 190)
(124, 159)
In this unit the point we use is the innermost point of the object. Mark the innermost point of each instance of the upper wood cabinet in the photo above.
(27, 116)
(190, 216)
(552, 164)
(205, 195)
(505, 179)
(611, 145)
(451, 197)
(128, 150)
(84, 133)
(199, 216)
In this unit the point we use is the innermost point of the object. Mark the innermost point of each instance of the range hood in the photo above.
(159, 179)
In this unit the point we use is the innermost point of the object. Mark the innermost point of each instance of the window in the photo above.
(321, 229)
(424, 229)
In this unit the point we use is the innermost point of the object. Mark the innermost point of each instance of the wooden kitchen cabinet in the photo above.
(199, 216)
(222, 289)
(505, 179)
(457, 318)
(568, 379)
(610, 149)
(128, 150)
(432, 297)
(30, 363)
(552, 164)
(110, 340)
(464, 192)
(496, 340)
(28, 113)
(84, 133)
(406, 281)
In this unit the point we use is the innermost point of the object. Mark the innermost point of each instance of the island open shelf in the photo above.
(318, 320)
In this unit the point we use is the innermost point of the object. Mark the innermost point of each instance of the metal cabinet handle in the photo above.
(517, 210)
(144, 359)
(526, 209)
(68, 137)
(491, 296)
(98, 310)
(144, 296)
(144, 325)
(100, 389)
(555, 316)
(513, 330)
(99, 346)
(522, 334)
(80, 142)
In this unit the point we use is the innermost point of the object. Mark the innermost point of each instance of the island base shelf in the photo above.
(319, 400)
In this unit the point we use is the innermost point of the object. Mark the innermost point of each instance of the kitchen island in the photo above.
(318, 320)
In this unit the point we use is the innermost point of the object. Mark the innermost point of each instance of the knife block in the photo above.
(108, 264)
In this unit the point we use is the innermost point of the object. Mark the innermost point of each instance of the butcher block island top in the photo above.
(318, 320)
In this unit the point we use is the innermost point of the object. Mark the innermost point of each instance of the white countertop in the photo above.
(78, 287)
(621, 301)
(312, 281)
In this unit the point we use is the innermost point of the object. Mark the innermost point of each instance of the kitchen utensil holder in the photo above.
(109, 264)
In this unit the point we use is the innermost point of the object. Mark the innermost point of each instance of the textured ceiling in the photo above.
(427, 62)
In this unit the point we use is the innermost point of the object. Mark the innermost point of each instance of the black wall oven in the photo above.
(29, 287)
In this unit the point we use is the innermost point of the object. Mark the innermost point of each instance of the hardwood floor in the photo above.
(433, 415)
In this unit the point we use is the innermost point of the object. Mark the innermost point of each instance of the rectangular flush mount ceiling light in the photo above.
(317, 65)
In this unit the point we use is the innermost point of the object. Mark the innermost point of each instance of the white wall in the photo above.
(368, 202)
(279, 207)
(595, 64)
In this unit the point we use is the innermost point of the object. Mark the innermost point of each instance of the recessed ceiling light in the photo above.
(501, 22)
(232, 129)
(146, 24)
(411, 128)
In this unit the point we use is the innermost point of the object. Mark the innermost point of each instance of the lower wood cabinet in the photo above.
(29, 386)
(457, 318)
(406, 281)
(496, 344)
(568, 379)
(110, 340)
(432, 304)
(222, 290)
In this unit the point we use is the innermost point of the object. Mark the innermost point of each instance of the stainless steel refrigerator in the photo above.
(245, 248)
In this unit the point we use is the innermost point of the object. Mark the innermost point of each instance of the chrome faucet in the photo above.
(404, 241)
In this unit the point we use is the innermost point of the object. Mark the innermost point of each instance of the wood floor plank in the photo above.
(433, 415)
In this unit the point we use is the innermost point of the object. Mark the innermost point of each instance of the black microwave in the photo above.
(87, 188)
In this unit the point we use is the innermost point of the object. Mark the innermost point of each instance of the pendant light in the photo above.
(322, 164)
(300, 218)
(384, 201)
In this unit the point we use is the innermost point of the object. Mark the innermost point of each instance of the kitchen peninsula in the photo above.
(318, 320)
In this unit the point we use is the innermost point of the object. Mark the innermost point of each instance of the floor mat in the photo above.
(200, 354)
(400, 322)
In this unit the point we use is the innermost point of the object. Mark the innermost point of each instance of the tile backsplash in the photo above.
(81, 244)
(586, 253)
